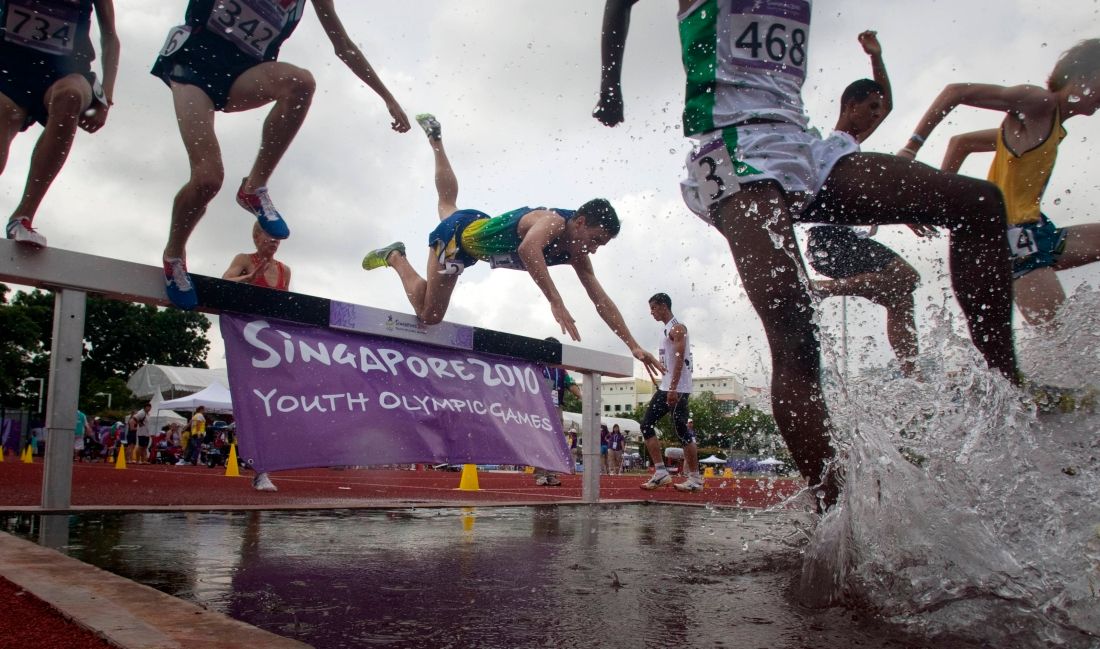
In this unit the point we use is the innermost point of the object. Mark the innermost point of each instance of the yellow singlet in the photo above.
(1023, 178)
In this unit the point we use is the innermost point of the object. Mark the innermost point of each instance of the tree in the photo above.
(19, 342)
(119, 337)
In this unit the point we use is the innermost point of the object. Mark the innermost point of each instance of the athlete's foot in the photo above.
(659, 479)
(431, 126)
(260, 205)
(19, 230)
(381, 257)
(692, 483)
(178, 285)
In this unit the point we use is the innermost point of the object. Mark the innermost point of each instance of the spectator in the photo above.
(604, 435)
(198, 432)
(83, 429)
(137, 427)
(615, 444)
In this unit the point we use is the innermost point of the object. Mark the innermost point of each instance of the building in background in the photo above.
(623, 396)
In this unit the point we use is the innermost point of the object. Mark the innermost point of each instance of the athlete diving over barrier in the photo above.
(529, 239)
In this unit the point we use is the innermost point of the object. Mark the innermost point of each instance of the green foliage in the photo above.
(119, 337)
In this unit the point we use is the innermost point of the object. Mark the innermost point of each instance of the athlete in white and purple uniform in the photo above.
(224, 58)
(757, 170)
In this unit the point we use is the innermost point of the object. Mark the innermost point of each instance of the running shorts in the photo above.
(837, 251)
(1035, 245)
(723, 160)
(445, 241)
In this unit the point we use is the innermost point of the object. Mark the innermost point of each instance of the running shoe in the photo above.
(178, 285)
(260, 205)
(20, 231)
(432, 128)
(547, 481)
(691, 484)
(659, 479)
(377, 258)
(263, 483)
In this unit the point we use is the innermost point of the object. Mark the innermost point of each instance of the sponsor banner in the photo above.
(313, 397)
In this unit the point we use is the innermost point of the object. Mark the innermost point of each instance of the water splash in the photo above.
(968, 510)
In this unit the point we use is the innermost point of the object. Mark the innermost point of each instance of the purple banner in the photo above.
(312, 397)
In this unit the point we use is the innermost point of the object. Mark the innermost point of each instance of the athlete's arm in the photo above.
(871, 46)
(238, 269)
(616, 23)
(607, 310)
(964, 144)
(678, 336)
(538, 229)
(111, 48)
(1014, 99)
(349, 53)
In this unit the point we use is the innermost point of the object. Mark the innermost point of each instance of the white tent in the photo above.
(215, 397)
(771, 461)
(714, 459)
(630, 428)
(159, 417)
(173, 381)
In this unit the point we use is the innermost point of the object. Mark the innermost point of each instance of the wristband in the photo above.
(916, 138)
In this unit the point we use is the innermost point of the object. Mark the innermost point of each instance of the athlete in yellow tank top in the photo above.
(1025, 148)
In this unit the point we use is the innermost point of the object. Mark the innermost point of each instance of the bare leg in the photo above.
(653, 445)
(429, 297)
(874, 188)
(11, 123)
(891, 287)
(691, 457)
(291, 88)
(446, 183)
(772, 278)
(65, 100)
(195, 116)
(1039, 294)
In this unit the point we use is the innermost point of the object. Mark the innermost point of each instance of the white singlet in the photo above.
(667, 353)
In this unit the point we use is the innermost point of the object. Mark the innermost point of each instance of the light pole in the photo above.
(105, 394)
(41, 387)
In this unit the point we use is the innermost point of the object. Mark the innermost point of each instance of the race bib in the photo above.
(770, 35)
(506, 260)
(177, 36)
(44, 27)
(1021, 239)
(251, 25)
(714, 172)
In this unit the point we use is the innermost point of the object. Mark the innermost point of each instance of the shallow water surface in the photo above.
(571, 576)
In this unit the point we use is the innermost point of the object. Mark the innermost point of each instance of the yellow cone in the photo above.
(120, 461)
(727, 472)
(528, 469)
(708, 472)
(28, 455)
(232, 470)
(469, 478)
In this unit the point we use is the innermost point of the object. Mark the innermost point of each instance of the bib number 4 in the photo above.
(1022, 242)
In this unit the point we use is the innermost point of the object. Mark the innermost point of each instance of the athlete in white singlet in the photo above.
(757, 171)
(673, 395)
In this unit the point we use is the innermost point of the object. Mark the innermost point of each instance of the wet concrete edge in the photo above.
(123, 612)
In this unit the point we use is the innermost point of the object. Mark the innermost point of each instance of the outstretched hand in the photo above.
(869, 41)
(400, 121)
(652, 365)
(565, 319)
(609, 110)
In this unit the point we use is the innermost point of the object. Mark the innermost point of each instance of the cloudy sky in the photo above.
(514, 84)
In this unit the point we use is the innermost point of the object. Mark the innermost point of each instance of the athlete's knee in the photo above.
(207, 180)
(66, 100)
(431, 317)
(298, 83)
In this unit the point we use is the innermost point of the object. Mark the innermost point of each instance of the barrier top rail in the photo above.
(53, 268)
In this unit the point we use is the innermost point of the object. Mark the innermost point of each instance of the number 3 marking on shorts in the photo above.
(720, 185)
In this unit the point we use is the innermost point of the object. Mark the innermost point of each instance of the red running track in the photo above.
(102, 485)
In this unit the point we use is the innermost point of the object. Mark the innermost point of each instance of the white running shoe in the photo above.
(19, 230)
(263, 483)
(659, 479)
(691, 484)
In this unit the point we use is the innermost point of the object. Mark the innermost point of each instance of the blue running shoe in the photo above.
(260, 205)
(178, 285)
